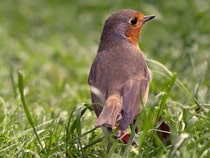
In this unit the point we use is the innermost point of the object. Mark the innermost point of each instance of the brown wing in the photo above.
(91, 81)
(134, 95)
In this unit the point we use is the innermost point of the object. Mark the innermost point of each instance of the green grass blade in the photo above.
(169, 73)
(167, 90)
(160, 65)
(26, 110)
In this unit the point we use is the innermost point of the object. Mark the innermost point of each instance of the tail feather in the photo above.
(110, 113)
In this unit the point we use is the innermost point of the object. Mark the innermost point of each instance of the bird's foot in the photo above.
(122, 136)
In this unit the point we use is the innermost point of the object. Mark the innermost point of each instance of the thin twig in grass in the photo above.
(26, 110)
(180, 140)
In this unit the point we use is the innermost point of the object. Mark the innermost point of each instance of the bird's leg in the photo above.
(122, 136)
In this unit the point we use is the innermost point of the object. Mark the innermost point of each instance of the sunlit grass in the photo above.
(53, 44)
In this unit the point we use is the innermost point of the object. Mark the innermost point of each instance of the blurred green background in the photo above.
(54, 42)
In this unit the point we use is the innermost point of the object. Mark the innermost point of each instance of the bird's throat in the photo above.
(133, 39)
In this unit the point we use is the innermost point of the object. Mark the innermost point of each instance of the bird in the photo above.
(119, 77)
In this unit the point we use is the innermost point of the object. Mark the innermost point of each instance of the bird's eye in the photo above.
(133, 21)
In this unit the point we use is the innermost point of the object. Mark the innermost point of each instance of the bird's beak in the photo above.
(148, 17)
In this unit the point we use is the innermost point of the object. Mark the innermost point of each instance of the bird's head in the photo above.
(124, 24)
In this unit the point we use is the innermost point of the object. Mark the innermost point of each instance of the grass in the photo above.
(46, 109)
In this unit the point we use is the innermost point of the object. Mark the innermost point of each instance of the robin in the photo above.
(119, 77)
